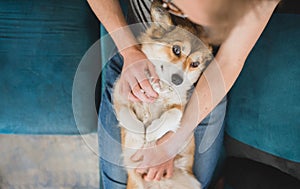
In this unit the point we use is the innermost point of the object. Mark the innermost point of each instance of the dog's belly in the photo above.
(146, 113)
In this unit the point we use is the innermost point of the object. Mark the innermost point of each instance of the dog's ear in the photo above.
(208, 58)
(161, 19)
(160, 14)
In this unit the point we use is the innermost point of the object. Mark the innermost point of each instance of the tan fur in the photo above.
(168, 51)
(178, 106)
(143, 123)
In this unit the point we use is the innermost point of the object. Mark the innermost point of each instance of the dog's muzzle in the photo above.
(177, 79)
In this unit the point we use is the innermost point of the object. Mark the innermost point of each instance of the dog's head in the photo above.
(177, 52)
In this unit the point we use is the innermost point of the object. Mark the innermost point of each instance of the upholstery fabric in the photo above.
(41, 45)
(264, 104)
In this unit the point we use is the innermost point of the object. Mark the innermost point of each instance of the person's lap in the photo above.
(208, 137)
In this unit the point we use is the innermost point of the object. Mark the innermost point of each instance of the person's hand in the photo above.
(156, 173)
(156, 160)
(136, 72)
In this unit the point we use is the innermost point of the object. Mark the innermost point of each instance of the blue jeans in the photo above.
(208, 137)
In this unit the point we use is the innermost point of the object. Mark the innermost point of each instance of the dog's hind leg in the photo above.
(134, 180)
(130, 183)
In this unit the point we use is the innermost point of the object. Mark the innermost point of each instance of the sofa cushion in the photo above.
(41, 45)
(264, 106)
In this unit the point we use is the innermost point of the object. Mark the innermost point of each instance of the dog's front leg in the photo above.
(168, 121)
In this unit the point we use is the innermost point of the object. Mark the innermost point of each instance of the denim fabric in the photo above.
(208, 141)
(208, 137)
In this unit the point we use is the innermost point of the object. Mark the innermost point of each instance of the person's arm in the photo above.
(111, 16)
(133, 75)
(212, 86)
(229, 61)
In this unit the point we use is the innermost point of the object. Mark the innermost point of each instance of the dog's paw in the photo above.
(153, 131)
(156, 130)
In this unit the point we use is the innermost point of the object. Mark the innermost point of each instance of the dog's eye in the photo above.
(176, 50)
(195, 64)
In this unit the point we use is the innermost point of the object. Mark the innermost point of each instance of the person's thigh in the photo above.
(112, 172)
(208, 141)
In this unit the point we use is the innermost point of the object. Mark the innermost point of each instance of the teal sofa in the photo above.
(41, 46)
(48, 90)
(262, 120)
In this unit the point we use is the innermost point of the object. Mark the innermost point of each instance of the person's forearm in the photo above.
(111, 16)
(223, 72)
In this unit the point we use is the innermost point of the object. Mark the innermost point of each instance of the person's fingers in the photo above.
(126, 91)
(140, 93)
(153, 73)
(169, 172)
(150, 175)
(137, 91)
(140, 79)
(133, 98)
(159, 174)
(146, 86)
(141, 171)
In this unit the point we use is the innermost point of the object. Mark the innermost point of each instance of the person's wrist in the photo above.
(168, 144)
(165, 138)
(173, 143)
(132, 55)
(130, 51)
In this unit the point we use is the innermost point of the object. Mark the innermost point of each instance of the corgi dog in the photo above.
(179, 58)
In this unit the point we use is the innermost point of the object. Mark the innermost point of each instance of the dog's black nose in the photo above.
(176, 79)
